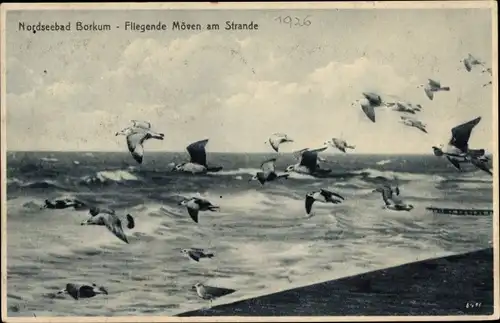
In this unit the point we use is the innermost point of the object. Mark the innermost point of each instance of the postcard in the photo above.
(268, 161)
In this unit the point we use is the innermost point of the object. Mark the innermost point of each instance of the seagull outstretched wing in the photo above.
(197, 152)
(460, 134)
(141, 124)
(135, 144)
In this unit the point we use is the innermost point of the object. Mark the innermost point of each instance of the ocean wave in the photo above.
(115, 176)
(36, 184)
(379, 174)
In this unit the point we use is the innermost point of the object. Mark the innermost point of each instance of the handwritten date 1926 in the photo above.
(292, 21)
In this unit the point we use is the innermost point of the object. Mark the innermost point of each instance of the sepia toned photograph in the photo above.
(249, 161)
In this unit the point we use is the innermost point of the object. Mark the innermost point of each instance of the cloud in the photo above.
(235, 90)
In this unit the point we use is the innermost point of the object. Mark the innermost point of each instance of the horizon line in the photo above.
(213, 152)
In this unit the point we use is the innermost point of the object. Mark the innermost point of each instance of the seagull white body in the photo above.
(210, 292)
(457, 150)
(78, 291)
(470, 61)
(137, 134)
(413, 123)
(433, 86)
(276, 139)
(112, 222)
(198, 159)
(308, 162)
(340, 144)
(196, 204)
(268, 172)
(196, 254)
(324, 196)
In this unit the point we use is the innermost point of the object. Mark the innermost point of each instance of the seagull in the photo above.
(387, 190)
(471, 61)
(433, 86)
(372, 100)
(198, 160)
(322, 195)
(413, 123)
(112, 222)
(277, 139)
(63, 203)
(392, 202)
(197, 204)
(136, 135)
(268, 172)
(340, 144)
(401, 107)
(457, 150)
(196, 254)
(210, 293)
(82, 291)
(308, 163)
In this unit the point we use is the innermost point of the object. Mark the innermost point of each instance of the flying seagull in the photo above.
(198, 159)
(196, 204)
(340, 144)
(112, 222)
(413, 123)
(471, 61)
(82, 291)
(433, 86)
(391, 201)
(268, 172)
(276, 139)
(324, 196)
(308, 163)
(372, 101)
(387, 191)
(63, 203)
(210, 293)
(457, 150)
(401, 107)
(137, 134)
(196, 254)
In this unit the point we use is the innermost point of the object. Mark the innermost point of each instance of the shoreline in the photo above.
(454, 285)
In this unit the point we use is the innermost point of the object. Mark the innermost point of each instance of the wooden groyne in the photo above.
(455, 211)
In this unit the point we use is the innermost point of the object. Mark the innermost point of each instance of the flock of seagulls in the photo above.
(456, 152)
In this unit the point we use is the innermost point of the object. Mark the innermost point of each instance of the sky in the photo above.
(72, 91)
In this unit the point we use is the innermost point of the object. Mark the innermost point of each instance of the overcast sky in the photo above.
(238, 87)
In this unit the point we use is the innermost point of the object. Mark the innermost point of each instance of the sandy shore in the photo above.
(442, 286)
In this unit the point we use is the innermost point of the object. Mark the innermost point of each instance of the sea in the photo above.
(261, 238)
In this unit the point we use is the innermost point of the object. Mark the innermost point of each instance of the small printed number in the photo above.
(294, 21)
(473, 305)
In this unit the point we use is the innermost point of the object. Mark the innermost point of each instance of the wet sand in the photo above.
(454, 285)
